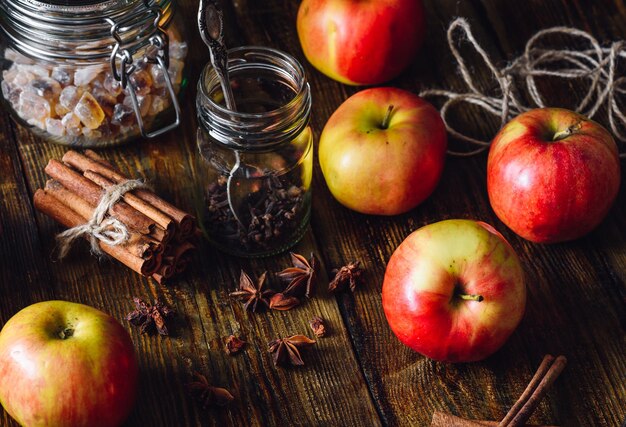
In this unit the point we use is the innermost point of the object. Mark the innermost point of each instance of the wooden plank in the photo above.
(586, 276)
(329, 388)
(408, 387)
(23, 273)
(360, 374)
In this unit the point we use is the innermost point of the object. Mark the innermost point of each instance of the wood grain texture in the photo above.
(360, 375)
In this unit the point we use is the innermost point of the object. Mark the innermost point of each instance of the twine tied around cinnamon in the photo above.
(598, 65)
(108, 230)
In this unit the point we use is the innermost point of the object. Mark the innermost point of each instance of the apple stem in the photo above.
(467, 297)
(387, 119)
(562, 134)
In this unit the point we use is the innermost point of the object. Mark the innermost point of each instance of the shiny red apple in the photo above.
(64, 364)
(360, 42)
(382, 151)
(552, 175)
(454, 291)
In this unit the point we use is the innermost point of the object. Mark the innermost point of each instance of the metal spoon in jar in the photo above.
(211, 26)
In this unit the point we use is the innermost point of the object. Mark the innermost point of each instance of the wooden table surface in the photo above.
(360, 374)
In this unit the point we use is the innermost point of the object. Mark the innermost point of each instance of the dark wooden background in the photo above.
(360, 375)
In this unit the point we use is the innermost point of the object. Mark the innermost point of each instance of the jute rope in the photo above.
(597, 65)
(99, 228)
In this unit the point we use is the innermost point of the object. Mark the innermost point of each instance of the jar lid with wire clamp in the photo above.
(93, 74)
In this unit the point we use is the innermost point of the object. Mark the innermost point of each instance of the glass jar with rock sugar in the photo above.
(255, 163)
(92, 73)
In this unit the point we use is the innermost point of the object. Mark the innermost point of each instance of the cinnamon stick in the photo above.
(167, 270)
(148, 210)
(180, 251)
(98, 158)
(161, 235)
(159, 278)
(186, 222)
(138, 244)
(69, 199)
(92, 193)
(546, 374)
(50, 206)
(182, 265)
(441, 419)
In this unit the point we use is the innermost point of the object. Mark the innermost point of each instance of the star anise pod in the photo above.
(252, 293)
(301, 275)
(283, 302)
(318, 326)
(285, 350)
(208, 395)
(148, 316)
(233, 345)
(348, 274)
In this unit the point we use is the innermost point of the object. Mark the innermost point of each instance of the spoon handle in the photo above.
(211, 26)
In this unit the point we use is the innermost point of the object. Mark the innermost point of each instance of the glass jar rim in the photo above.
(255, 131)
(208, 68)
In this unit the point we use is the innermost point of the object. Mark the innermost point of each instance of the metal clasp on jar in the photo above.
(158, 55)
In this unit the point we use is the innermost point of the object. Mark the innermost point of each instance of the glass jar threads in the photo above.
(93, 73)
(256, 163)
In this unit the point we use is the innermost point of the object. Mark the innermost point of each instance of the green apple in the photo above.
(382, 151)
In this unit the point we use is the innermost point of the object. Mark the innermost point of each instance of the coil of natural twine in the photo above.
(598, 65)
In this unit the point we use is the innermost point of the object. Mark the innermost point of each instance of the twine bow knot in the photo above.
(101, 228)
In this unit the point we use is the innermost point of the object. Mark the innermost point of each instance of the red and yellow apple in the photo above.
(66, 364)
(552, 175)
(454, 291)
(382, 151)
(360, 42)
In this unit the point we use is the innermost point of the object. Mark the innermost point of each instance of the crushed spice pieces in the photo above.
(318, 326)
(149, 317)
(207, 394)
(300, 277)
(252, 293)
(347, 275)
(233, 345)
(286, 350)
(283, 302)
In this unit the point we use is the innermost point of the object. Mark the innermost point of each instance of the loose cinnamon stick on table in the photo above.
(138, 244)
(50, 206)
(548, 371)
(186, 222)
(441, 419)
(92, 193)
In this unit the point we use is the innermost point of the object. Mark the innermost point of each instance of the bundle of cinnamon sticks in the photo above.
(161, 235)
